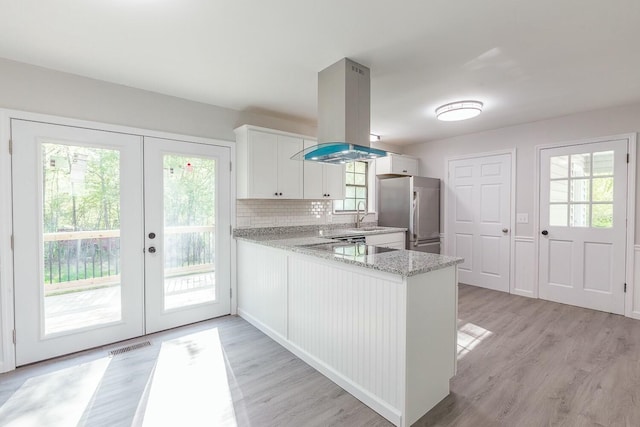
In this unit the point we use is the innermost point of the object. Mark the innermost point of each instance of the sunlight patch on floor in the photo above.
(54, 399)
(469, 336)
(189, 385)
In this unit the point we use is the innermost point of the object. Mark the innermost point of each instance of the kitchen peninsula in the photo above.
(379, 322)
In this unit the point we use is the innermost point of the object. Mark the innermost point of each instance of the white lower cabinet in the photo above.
(388, 340)
(388, 240)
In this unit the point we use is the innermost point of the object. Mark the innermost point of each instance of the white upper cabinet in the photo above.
(264, 166)
(395, 164)
(323, 181)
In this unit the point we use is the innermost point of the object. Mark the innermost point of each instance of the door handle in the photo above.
(416, 216)
(545, 232)
(152, 250)
(505, 230)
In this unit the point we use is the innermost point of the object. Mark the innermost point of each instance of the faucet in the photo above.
(358, 217)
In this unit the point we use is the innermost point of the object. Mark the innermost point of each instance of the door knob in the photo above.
(505, 230)
(152, 250)
(545, 232)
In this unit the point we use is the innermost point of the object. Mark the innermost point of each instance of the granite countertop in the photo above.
(401, 262)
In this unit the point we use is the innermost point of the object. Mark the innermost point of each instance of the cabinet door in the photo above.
(290, 176)
(402, 165)
(334, 177)
(313, 177)
(263, 172)
(396, 165)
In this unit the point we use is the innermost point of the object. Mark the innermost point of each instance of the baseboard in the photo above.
(390, 413)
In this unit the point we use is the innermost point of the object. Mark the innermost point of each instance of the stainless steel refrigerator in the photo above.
(412, 202)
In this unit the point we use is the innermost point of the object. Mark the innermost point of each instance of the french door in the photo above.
(85, 205)
(187, 232)
(583, 204)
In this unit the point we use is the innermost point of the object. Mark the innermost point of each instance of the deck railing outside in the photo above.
(92, 258)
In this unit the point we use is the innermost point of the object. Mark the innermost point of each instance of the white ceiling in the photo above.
(526, 60)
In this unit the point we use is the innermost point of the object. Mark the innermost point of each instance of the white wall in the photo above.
(39, 90)
(525, 138)
(34, 89)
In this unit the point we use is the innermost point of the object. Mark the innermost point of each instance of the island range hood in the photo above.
(344, 102)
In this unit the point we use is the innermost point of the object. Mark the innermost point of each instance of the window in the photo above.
(581, 190)
(356, 188)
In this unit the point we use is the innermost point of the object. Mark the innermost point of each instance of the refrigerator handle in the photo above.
(416, 215)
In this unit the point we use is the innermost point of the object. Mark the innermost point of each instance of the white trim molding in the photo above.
(7, 353)
(632, 309)
(523, 283)
(633, 294)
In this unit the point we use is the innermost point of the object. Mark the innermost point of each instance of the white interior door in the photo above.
(583, 204)
(187, 232)
(478, 219)
(77, 215)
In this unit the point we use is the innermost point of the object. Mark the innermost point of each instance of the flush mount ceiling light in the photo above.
(460, 110)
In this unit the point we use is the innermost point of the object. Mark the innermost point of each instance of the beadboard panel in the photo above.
(429, 326)
(523, 282)
(635, 286)
(262, 288)
(351, 322)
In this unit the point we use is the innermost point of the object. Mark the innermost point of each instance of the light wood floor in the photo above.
(523, 362)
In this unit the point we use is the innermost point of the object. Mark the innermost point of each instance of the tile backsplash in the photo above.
(275, 213)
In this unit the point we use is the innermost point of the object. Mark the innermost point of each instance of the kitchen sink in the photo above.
(355, 230)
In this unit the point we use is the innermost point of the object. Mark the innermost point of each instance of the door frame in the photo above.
(7, 311)
(512, 206)
(630, 214)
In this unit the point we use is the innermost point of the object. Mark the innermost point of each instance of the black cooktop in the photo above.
(353, 251)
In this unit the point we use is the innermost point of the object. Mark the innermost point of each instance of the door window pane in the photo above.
(602, 216)
(189, 230)
(579, 216)
(559, 191)
(581, 165)
(580, 190)
(558, 215)
(81, 237)
(602, 189)
(559, 167)
(603, 163)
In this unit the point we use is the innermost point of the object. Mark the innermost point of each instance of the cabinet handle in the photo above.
(404, 170)
(280, 194)
(276, 194)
